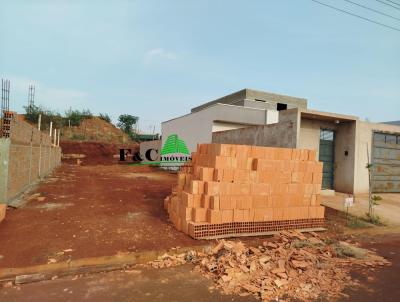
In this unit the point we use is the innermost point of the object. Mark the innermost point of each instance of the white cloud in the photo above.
(160, 53)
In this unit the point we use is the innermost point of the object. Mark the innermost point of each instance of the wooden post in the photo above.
(51, 127)
(58, 138)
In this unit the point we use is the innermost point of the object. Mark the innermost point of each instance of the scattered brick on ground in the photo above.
(293, 265)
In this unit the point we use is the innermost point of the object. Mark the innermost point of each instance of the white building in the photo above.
(241, 109)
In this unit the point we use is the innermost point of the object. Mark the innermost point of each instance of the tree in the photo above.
(126, 122)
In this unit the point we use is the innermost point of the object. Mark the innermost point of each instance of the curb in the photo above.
(86, 265)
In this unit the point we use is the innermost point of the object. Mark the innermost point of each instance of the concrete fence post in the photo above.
(4, 159)
(40, 156)
(49, 159)
(30, 159)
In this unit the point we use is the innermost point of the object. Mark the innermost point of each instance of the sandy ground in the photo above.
(93, 210)
(388, 208)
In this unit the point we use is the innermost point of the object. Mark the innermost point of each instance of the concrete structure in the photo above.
(238, 110)
(353, 147)
(343, 143)
(26, 156)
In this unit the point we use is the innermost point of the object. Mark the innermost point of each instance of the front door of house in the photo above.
(327, 157)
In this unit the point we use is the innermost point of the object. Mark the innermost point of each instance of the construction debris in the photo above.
(292, 265)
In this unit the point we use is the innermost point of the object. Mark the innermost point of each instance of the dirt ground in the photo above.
(93, 210)
(95, 153)
(102, 210)
(388, 209)
(182, 284)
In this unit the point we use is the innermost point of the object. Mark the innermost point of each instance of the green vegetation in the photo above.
(33, 112)
(354, 222)
(78, 137)
(71, 117)
(74, 117)
(372, 199)
(344, 250)
(105, 117)
(374, 219)
(126, 123)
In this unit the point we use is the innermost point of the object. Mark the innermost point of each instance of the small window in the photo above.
(281, 106)
(390, 139)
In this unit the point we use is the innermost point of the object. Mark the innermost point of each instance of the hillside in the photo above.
(95, 129)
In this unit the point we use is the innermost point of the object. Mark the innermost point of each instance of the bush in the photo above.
(33, 112)
(105, 117)
(76, 116)
(78, 137)
(374, 219)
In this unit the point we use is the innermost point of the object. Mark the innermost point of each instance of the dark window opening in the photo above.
(259, 100)
(281, 106)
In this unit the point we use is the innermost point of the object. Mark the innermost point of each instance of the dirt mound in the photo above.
(94, 153)
(95, 129)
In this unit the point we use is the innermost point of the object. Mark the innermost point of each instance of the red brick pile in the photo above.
(236, 189)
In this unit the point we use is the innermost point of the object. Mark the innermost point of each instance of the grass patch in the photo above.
(356, 223)
(374, 219)
(344, 250)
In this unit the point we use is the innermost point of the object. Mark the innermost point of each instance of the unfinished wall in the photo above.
(275, 135)
(282, 134)
(26, 156)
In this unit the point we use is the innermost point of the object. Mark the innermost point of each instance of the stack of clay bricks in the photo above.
(236, 190)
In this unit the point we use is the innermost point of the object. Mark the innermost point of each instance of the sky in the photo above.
(158, 59)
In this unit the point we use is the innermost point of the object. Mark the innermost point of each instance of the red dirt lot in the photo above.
(93, 210)
(95, 153)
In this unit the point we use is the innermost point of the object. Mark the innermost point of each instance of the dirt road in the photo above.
(93, 211)
(181, 284)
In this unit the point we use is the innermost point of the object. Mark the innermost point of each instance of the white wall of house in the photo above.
(196, 128)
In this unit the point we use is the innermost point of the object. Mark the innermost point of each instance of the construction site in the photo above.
(200, 151)
(90, 214)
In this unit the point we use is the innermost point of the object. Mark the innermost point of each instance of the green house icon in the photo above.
(174, 144)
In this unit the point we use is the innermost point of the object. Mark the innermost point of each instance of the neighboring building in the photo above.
(241, 109)
(343, 143)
